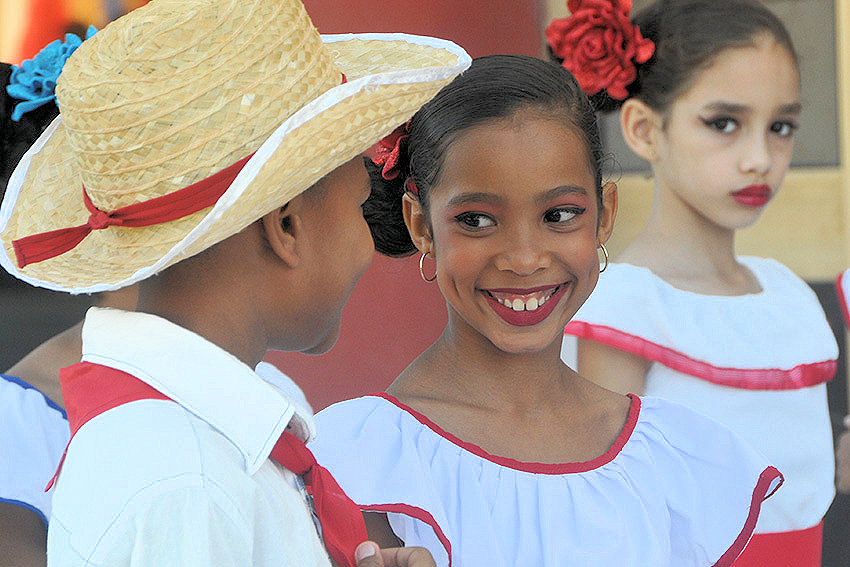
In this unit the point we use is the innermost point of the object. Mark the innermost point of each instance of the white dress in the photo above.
(675, 489)
(756, 363)
(33, 435)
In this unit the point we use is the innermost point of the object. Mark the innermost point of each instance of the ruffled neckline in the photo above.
(526, 466)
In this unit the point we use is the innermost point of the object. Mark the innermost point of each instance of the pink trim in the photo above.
(801, 376)
(842, 297)
(764, 489)
(417, 514)
(538, 468)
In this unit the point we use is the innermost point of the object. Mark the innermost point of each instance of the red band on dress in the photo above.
(173, 206)
(799, 548)
(801, 376)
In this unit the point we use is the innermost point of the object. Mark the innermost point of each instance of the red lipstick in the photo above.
(526, 318)
(754, 196)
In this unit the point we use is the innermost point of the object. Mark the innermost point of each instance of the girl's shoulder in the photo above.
(667, 476)
(634, 310)
(622, 281)
(384, 427)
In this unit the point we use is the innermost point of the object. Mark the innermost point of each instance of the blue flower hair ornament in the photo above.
(34, 81)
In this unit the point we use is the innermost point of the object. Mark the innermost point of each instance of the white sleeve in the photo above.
(33, 436)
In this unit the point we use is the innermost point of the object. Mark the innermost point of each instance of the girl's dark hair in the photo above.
(494, 87)
(688, 35)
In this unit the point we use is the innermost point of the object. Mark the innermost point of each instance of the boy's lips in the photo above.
(525, 307)
(752, 196)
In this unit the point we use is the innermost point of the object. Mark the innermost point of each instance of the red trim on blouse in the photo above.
(417, 514)
(801, 376)
(538, 468)
(764, 489)
(842, 297)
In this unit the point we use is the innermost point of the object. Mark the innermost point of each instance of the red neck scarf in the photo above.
(91, 389)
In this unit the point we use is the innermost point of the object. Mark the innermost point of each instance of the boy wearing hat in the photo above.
(209, 150)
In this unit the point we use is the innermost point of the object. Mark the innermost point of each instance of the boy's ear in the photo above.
(284, 229)
(417, 225)
(639, 124)
(609, 212)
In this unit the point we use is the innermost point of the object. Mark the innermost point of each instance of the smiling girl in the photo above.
(680, 315)
(489, 450)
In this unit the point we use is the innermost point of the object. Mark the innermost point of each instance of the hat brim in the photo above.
(389, 76)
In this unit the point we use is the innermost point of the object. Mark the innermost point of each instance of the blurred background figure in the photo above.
(29, 25)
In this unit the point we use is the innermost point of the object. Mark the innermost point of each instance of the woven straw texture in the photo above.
(179, 89)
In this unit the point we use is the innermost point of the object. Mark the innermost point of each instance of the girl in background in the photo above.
(488, 450)
(710, 97)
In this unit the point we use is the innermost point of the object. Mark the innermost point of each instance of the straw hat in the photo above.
(179, 90)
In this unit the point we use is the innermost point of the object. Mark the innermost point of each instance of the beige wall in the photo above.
(806, 227)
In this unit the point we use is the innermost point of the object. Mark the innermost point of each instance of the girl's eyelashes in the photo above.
(784, 128)
(557, 215)
(562, 215)
(728, 125)
(475, 221)
(723, 124)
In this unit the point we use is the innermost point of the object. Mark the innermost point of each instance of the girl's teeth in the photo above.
(531, 304)
(520, 305)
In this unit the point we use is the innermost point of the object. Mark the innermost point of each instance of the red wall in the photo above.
(482, 27)
(393, 315)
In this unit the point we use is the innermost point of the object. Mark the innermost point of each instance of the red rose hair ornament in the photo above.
(386, 151)
(599, 45)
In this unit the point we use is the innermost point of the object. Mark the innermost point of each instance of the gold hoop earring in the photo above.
(422, 269)
(604, 253)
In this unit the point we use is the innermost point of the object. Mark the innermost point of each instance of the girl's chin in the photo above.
(532, 343)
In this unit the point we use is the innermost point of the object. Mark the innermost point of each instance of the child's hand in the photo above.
(842, 458)
(369, 555)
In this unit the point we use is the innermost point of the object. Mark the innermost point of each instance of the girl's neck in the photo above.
(465, 368)
(531, 408)
(689, 251)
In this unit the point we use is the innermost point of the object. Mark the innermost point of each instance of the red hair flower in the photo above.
(386, 151)
(600, 45)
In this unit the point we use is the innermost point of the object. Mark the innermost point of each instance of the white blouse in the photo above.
(675, 489)
(756, 363)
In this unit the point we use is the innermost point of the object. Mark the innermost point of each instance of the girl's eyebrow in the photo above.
(792, 108)
(560, 191)
(490, 198)
(732, 108)
(477, 197)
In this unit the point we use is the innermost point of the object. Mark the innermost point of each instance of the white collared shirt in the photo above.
(160, 483)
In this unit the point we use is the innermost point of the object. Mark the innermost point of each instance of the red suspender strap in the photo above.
(91, 389)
